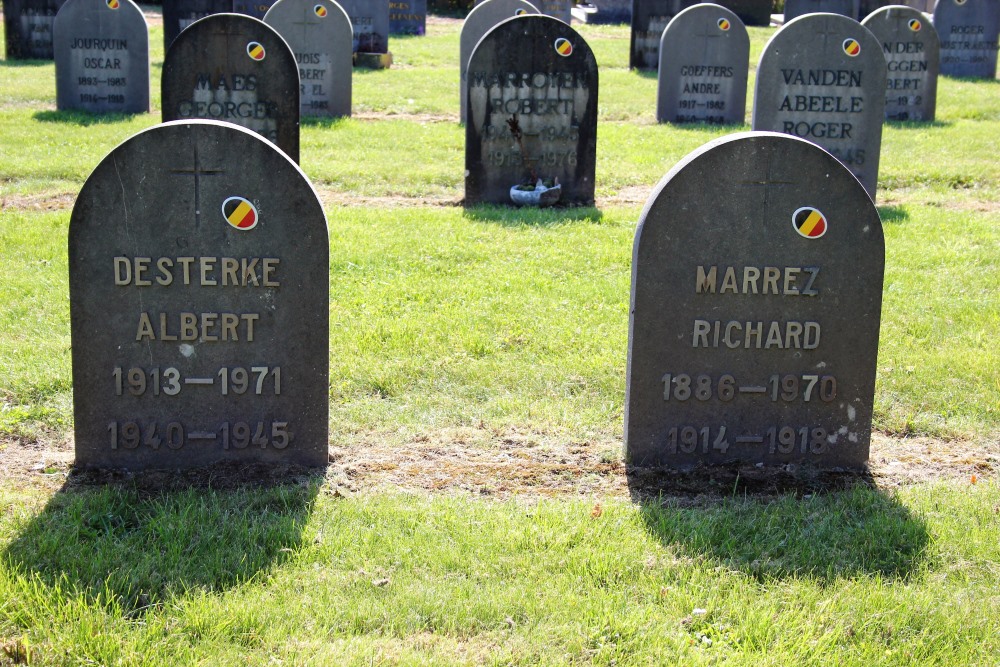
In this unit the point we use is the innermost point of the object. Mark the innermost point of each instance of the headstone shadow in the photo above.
(133, 545)
(509, 216)
(891, 215)
(777, 525)
(82, 118)
(917, 125)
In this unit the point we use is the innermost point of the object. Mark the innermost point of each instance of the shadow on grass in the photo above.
(902, 124)
(830, 528)
(512, 216)
(129, 546)
(891, 215)
(646, 73)
(82, 118)
(24, 63)
(323, 122)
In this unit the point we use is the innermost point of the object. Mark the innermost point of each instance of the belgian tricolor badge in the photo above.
(852, 47)
(255, 50)
(915, 25)
(113, 4)
(240, 213)
(723, 24)
(320, 11)
(809, 222)
(563, 47)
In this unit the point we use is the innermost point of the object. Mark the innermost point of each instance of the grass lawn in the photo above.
(477, 510)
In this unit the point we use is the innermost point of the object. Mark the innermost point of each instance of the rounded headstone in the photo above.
(199, 300)
(822, 77)
(756, 296)
(913, 56)
(704, 60)
(480, 21)
(179, 14)
(407, 17)
(968, 30)
(237, 69)
(532, 111)
(102, 57)
(28, 28)
(370, 21)
(320, 35)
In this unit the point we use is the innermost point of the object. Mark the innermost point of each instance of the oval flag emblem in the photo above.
(563, 47)
(852, 47)
(114, 4)
(240, 213)
(915, 25)
(724, 24)
(320, 11)
(809, 222)
(255, 50)
(520, 12)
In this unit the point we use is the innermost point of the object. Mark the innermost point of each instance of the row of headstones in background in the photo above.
(912, 52)
(101, 57)
(28, 28)
(531, 106)
(969, 31)
(559, 9)
(179, 14)
(199, 303)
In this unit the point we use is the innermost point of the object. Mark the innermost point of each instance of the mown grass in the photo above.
(442, 317)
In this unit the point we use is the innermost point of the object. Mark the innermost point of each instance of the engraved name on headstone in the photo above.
(756, 297)
(199, 301)
(822, 77)
(912, 54)
(370, 19)
(407, 17)
(704, 60)
(968, 30)
(532, 111)
(320, 35)
(179, 14)
(238, 69)
(28, 28)
(797, 8)
(102, 57)
(480, 21)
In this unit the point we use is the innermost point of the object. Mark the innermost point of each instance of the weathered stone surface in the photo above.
(407, 17)
(537, 74)
(912, 54)
(370, 19)
(102, 57)
(649, 20)
(968, 30)
(179, 14)
(704, 60)
(28, 28)
(754, 325)
(559, 9)
(238, 69)
(199, 300)
(255, 8)
(797, 8)
(320, 35)
(480, 21)
(822, 77)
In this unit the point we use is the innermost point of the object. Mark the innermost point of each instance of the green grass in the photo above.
(443, 318)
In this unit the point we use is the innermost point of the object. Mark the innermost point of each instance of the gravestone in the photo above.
(822, 77)
(704, 60)
(649, 20)
(102, 57)
(179, 14)
(751, 12)
(255, 8)
(28, 28)
(602, 12)
(199, 301)
(480, 21)
(968, 30)
(319, 34)
(237, 69)
(797, 8)
(370, 19)
(407, 17)
(559, 9)
(912, 54)
(756, 297)
(532, 111)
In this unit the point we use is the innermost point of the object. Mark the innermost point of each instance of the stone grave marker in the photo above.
(605, 11)
(559, 9)
(102, 57)
(704, 60)
(255, 8)
(751, 12)
(28, 28)
(968, 30)
(407, 17)
(480, 21)
(179, 14)
(238, 69)
(199, 301)
(649, 20)
(797, 8)
(912, 54)
(320, 35)
(756, 297)
(822, 77)
(532, 111)
(370, 19)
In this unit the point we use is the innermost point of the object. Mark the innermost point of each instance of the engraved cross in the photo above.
(828, 32)
(305, 22)
(707, 32)
(766, 180)
(197, 172)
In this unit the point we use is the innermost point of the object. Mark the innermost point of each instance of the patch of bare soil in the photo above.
(39, 202)
(483, 463)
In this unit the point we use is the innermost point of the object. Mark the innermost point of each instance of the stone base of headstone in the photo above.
(373, 60)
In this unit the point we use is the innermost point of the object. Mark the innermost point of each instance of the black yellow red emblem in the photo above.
(113, 4)
(320, 11)
(255, 50)
(240, 213)
(852, 47)
(809, 222)
(724, 24)
(564, 47)
(520, 12)
(915, 25)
